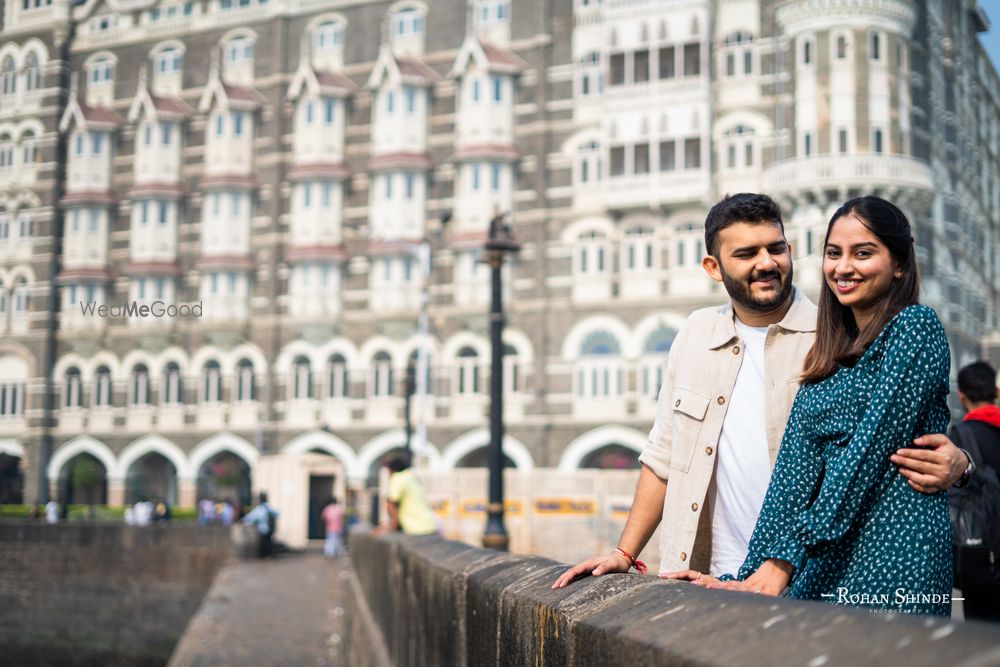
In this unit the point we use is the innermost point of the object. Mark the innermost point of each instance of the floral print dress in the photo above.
(837, 508)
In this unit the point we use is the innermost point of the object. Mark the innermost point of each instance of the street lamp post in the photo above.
(500, 242)
(408, 385)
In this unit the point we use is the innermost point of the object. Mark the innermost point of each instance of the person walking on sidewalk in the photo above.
(976, 503)
(333, 517)
(265, 518)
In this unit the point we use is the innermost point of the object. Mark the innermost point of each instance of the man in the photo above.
(977, 564)
(333, 517)
(406, 502)
(52, 512)
(264, 517)
(732, 375)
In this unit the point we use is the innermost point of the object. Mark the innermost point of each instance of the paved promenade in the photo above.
(285, 611)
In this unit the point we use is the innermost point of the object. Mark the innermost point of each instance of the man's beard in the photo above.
(739, 291)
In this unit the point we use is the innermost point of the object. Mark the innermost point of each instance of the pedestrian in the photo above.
(732, 375)
(52, 512)
(129, 515)
(264, 518)
(143, 513)
(206, 511)
(225, 513)
(161, 511)
(333, 517)
(406, 502)
(976, 505)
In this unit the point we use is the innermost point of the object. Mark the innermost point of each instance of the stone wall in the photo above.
(427, 601)
(101, 594)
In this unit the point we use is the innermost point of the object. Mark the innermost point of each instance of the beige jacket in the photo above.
(701, 372)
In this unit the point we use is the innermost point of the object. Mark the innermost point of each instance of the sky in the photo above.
(991, 39)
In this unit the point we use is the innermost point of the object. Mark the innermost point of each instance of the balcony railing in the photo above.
(846, 171)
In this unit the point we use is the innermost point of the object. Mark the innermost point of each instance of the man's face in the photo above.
(756, 265)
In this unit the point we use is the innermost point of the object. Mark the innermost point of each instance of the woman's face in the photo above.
(858, 267)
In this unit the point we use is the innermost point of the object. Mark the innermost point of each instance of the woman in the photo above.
(838, 523)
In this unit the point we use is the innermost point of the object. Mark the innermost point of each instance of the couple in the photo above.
(837, 521)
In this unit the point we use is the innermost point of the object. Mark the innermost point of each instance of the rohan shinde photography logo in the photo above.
(135, 309)
(900, 598)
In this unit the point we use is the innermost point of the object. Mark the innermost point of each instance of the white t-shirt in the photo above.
(743, 465)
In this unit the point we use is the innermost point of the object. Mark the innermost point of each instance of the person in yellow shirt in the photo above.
(406, 502)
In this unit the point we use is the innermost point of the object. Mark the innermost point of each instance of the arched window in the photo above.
(591, 79)
(245, 389)
(139, 386)
(301, 378)
(211, 383)
(588, 163)
(20, 297)
(336, 374)
(6, 151)
(738, 54)
(592, 253)
(173, 387)
(29, 150)
(406, 23)
(381, 375)
(511, 370)
(639, 250)
(102, 387)
(493, 11)
(740, 151)
(599, 372)
(468, 371)
(841, 47)
(612, 457)
(329, 35)
(8, 76)
(102, 70)
(239, 49)
(168, 61)
(71, 396)
(654, 351)
(414, 362)
(13, 377)
(32, 72)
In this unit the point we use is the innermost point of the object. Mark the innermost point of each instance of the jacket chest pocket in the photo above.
(690, 409)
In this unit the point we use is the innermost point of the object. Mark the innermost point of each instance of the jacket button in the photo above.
(684, 556)
(677, 403)
(708, 450)
(694, 507)
(722, 400)
(736, 350)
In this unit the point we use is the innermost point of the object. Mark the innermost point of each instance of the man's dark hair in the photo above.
(742, 207)
(978, 381)
(263, 497)
(398, 463)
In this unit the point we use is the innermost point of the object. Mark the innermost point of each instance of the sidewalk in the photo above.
(285, 611)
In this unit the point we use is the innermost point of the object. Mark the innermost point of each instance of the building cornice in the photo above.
(798, 16)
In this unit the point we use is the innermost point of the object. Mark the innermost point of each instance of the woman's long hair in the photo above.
(838, 340)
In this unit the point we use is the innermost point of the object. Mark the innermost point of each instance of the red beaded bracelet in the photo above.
(639, 566)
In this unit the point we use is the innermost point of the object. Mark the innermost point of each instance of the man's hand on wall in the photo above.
(596, 566)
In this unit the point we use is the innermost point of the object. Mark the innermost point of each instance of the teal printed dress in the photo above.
(837, 508)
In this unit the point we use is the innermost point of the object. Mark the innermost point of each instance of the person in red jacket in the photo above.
(977, 560)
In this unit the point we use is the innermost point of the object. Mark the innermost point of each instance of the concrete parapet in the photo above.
(428, 601)
(101, 594)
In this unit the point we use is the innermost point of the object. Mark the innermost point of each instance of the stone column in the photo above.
(187, 492)
(116, 492)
